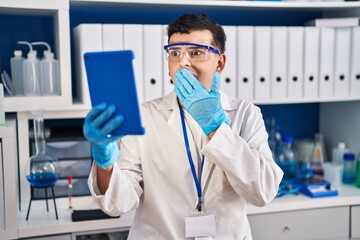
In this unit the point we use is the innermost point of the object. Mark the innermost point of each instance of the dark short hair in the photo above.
(187, 23)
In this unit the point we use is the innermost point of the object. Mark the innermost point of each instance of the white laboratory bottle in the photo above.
(16, 65)
(50, 72)
(338, 153)
(2, 108)
(31, 69)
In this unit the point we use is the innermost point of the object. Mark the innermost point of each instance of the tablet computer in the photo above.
(111, 80)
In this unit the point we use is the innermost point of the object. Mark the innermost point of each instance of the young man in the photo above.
(202, 158)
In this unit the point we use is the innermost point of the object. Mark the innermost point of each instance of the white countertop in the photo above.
(42, 222)
(348, 195)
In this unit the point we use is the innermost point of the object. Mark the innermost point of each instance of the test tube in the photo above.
(70, 191)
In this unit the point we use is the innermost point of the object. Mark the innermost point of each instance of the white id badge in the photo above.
(200, 224)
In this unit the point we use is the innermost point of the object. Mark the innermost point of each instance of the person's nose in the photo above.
(184, 61)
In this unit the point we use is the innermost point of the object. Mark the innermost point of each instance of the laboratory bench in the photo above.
(348, 195)
(43, 223)
(301, 217)
(287, 217)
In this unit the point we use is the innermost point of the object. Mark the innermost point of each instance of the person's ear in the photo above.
(171, 79)
(221, 63)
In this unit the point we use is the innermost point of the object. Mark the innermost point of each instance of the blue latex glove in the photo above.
(98, 126)
(203, 105)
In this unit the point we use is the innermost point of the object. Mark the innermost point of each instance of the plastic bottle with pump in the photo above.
(17, 74)
(50, 73)
(31, 70)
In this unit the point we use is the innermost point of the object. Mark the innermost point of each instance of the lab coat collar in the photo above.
(169, 102)
(228, 104)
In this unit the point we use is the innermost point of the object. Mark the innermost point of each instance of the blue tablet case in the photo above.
(111, 80)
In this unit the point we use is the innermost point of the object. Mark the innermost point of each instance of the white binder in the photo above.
(342, 62)
(327, 50)
(262, 63)
(133, 40)
(245, 62)
(355, 62)
(295, 62)
(168, 86)
(228, 76)
(112, 37)
(87, 38)
(311, 62)
(153, 61)
(278, 80)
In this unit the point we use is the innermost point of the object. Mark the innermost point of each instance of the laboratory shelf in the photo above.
(56, 13)
(231, 12)
(38, 6)
(237, 13)
(306, 100)
(240, 4)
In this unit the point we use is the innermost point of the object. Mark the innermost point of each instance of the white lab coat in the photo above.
(153, 173)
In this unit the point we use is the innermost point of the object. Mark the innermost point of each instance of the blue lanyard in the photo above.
(193, 171)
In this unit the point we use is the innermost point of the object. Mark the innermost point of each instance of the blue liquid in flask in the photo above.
(43, 169)
(42, 179)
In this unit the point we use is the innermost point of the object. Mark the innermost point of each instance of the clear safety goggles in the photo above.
(194, 52)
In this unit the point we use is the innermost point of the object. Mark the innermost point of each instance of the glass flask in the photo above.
(43, 169)
(317, 157)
